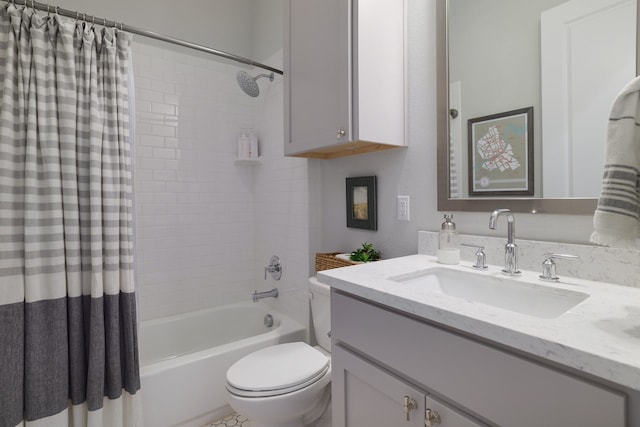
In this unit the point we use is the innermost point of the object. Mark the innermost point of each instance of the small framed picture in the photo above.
(501, 154)
(361, 203)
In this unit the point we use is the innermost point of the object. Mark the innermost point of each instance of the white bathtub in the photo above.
(184, 359)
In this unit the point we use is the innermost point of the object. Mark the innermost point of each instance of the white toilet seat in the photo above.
(277, 370)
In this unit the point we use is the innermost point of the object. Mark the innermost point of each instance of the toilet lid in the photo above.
(282, 366)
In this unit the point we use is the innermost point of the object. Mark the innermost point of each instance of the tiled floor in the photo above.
(233, 420)
(236, 420)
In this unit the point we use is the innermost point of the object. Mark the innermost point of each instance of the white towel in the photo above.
(617, 218)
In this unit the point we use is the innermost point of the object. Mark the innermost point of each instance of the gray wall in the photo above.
(412, 171)
(249, 28)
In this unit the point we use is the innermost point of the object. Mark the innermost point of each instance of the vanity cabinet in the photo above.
(344, 77)
(380, 356)
(371, 396)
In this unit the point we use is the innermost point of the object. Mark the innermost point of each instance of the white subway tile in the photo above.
(161, 108)
(172, 99)
(151, 163)
(171, 165)
(142, 128)
(142, 82)
(164, 175)
(143, 151)
(163, 130)
(165, 197)
(164, 153)
(163, 87)
(151, 141)
(142, 106)
(171, 142)
(176, 187)
(150, 95)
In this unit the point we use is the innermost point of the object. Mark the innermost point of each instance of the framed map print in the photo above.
(501, 154)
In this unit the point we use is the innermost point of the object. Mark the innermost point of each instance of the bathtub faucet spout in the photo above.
(257, 296)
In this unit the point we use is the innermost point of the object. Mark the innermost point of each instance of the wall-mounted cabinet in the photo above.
(345, 77)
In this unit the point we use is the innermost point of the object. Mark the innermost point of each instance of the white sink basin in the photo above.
(498, 291)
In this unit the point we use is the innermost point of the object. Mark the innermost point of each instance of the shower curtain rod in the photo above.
(145, 33)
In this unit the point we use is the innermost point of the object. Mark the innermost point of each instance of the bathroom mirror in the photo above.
(500, 56)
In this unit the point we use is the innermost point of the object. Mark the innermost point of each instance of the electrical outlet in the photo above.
(403, 208)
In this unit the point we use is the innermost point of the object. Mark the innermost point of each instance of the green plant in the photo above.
(365, 254)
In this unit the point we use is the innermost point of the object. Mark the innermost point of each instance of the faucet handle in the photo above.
(549, 266)
(481, 257)
(274, 267)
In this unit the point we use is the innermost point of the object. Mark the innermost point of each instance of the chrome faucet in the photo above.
(510, 249)
(257, 296)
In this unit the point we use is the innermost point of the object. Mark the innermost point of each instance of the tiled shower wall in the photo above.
(206, 227)
(195, 207)
(286, 206)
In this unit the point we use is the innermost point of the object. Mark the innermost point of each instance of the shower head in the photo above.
(248, 84)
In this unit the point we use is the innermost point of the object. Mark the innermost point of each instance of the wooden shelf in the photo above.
(345, 149)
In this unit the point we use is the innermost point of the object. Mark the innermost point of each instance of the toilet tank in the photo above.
(321, 312)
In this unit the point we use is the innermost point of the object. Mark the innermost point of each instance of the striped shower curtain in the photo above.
(68, 343)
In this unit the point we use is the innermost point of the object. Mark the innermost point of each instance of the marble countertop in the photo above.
(599, 336)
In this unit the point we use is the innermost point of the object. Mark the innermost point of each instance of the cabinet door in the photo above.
(445, 416)
(316, 74)
(379, 61)
(364, 395)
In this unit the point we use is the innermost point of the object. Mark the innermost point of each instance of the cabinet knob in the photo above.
(409, 404)
(340, 133)
(431, 418)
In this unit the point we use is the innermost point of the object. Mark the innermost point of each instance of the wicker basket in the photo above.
(329, 261)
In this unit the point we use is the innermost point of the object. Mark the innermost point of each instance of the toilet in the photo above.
(286, 385)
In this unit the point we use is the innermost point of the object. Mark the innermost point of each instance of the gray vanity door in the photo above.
(364, 395)
(367, 395)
